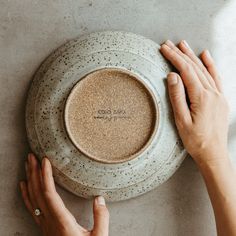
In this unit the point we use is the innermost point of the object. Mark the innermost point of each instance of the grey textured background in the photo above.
(31, 30)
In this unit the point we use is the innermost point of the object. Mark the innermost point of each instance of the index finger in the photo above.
(53, 199)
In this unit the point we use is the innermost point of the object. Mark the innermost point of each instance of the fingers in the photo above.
(210, 65)
(31, 190)
(25, 196)
(183, 57)
(54, 201)
(40, 186)
(201, 77)
(202, 71)
(35, 182)
(40, 192)
(47, 176)
(101, 217)
(26, 199)
(188, 75)
(178, 99)
(29, 183)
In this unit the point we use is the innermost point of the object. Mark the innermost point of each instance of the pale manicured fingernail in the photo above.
(208, 55)
(172, 79)
(101, 201)
(22, 184)
(43, 162)
(30, 157)
(168, 42)
(165, 46)
(186, 44)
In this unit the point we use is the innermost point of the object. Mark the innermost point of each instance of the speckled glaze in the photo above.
(45, 111)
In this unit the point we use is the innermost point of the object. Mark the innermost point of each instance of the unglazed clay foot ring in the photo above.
(106, 112)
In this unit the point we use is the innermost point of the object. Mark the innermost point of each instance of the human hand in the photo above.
(55, 219)
(202, 125)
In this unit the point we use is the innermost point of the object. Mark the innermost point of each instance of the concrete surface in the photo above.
(30, 30)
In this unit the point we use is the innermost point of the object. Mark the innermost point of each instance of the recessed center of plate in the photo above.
(111, 116)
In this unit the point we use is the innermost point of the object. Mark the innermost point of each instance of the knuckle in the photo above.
(175, 95)
(199, 68)
(217, 96)
(203, 69)
(187, 67)
(204, 95)
(214, 98)
(197, 65)
(182, 122)
(178, 122)
(47, 195)
(186, 58)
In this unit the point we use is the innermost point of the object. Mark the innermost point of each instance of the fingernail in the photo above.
(165, 46)
(44, 161)
(167, 41)
(101, 201)
(22, 184)
(208, 55)
(172, 79)
(164, 42)
(186, 44)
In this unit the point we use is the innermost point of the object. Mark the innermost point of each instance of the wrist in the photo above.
(217, 164)
(208, 159)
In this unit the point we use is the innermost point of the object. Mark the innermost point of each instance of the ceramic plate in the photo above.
(48, 134)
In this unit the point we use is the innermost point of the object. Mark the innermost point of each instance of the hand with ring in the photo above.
(47, 208)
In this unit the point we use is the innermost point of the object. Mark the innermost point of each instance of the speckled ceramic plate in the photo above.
(48, 133)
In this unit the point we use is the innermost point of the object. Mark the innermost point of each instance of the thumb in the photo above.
(101, 217)
(178, 98)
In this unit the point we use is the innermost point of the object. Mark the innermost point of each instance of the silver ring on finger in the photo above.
(37, 212)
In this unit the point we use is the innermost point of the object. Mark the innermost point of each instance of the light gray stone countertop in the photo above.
(31, 30)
